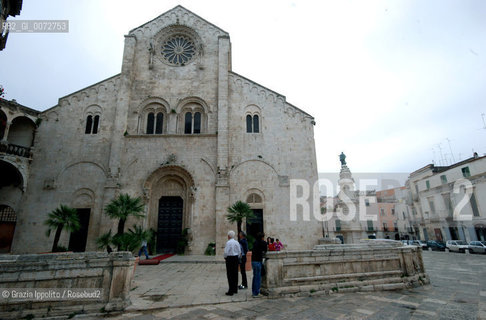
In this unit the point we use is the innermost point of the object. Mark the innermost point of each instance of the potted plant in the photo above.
(183, 242)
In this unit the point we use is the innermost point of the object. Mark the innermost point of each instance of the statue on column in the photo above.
(342, 158)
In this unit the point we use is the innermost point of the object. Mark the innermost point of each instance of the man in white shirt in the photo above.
(232, 254)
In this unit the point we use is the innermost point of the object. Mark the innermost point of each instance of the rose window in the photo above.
(178, 50)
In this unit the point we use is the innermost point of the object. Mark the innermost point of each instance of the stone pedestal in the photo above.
(110, 274)
(369, 266)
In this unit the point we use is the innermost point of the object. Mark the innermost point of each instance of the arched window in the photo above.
(256, 124)
(152, 119)
(89, 124)
(254, 198)
(159, 123)
(192, 118)
(96, 124)
(150, 123)
(188, 123)
(252, 123)
(197, 122)
(92, 124)
(93, 118)
(248, 124)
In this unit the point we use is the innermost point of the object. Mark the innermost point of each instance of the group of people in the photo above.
(235, 255)
(274, 244)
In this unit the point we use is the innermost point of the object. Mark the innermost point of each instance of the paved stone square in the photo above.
(196, 291)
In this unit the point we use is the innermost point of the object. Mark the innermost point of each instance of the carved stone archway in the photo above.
(169, 181)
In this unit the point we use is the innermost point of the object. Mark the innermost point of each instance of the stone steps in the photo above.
(339, 286)
(334, 277)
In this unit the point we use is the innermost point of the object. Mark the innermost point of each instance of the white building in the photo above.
(450, 201)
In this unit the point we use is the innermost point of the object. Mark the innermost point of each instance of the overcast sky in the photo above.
(387, 81)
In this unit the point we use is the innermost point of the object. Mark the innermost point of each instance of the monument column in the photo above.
(348, 204)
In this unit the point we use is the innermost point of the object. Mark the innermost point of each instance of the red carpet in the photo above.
(163, 256)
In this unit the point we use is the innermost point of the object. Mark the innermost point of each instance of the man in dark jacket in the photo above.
(258, 252)
(244, 250)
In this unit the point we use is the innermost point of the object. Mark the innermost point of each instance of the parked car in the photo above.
(457, 245)
(436, 245)
(419, 243)
(477, 247)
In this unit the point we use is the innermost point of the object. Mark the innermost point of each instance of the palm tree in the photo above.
(237, 212)
(104, 241)
(60, 218)
(123, 207)
(139, 234)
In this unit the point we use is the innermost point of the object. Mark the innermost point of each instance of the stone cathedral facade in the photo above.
(176, 127)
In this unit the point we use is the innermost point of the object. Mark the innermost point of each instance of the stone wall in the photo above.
(344, 268)
(111, 273)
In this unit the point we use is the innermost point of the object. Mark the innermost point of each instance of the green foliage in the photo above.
(122, 208)
(61, 218)
(104, 241)
(138, 234)
(183, 241)
(61, 249)
(125, 206)
(251, 240)
(238, 212)
(211, 249)
(125, 242)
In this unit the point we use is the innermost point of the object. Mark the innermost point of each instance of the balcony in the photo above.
(13, 149)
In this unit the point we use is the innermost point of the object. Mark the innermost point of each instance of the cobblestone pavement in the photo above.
(457, 291)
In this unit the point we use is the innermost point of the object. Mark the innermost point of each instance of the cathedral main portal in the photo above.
(169, 226)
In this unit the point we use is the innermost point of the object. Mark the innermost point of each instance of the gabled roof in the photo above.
(276, 93)
(174, 9)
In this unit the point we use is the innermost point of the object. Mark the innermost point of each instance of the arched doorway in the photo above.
(255, 225)
(169, 190)
(11, 177)
(8, 219)
(169, 226)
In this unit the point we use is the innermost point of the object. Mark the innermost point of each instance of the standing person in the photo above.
(244, 250)
(232, 254)
(278, 245)
(144, 249)
(259, 249)
(271, 245)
